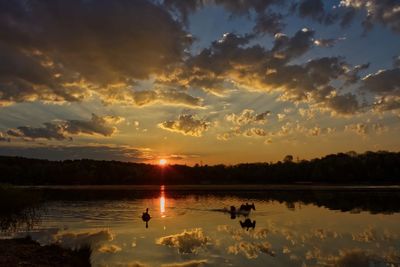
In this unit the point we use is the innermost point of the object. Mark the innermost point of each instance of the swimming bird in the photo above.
(233, 212)
(245, 209)
(146, 217)
(248, 224)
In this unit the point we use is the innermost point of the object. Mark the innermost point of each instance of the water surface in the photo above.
(357, 227)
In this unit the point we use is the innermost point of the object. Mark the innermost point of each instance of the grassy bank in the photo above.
(26, 252)
(19, 208)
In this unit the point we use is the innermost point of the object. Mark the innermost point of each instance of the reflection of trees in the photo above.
(352, 201)
(374, 201)
(18, 209)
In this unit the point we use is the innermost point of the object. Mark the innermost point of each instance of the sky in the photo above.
(198, 81)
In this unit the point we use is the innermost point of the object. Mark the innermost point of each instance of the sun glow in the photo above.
(162, 162)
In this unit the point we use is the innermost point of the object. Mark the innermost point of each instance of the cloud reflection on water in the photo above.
(191, 234)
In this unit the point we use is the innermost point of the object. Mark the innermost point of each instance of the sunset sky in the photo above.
(211, 81)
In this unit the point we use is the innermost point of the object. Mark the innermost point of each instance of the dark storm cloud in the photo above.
(60, 130)
(48, 46)
(99, 152)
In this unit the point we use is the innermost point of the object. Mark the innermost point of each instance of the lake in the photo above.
(191, 226)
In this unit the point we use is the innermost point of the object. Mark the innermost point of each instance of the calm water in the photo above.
(189, 228)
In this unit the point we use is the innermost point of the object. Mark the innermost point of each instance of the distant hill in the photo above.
(380, 167)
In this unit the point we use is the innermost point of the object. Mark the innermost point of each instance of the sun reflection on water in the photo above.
(162, 201)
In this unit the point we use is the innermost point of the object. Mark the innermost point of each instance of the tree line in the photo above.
(380, 167)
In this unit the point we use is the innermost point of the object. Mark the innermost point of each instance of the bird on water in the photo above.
(146, 217)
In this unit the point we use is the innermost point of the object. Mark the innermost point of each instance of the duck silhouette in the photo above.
(245, 209)
(232, 211)
(146, 217)
(248, 224)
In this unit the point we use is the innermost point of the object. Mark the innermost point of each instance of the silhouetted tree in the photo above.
(342, 168)
(288, 158)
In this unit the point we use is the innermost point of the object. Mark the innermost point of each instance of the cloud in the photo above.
(290, 128)
(342, 104)
(49, 131)
(387, 103)
(129, 264)
(255, 132)
(386, 13)
(184, 8)
(246, 117)
(66, 50)
(292, 47)
(95, 151)
(192, 263)
(124, 96)
(327, 42)
(269, 22)
(186, 124)
(232, 61)
(396, 62)
(383, 82)
(242, 122)
(270, 14)
(97, 125)
(187, 242)
(364, 129)
(77, 240)
(251, 249)
(60, 130)
(109, 248)
(237, 8)
(3, 138)
(368, 235)
(358, 258)
(376, 12)
(315, 10)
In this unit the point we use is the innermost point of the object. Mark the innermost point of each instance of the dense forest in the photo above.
(380, 167)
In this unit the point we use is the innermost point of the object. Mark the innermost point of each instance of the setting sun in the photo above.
(162, 162)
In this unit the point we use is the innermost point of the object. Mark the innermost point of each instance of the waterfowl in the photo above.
(248, 224)
(146, 217)
(245, 209)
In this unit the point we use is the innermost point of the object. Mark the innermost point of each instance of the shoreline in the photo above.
(220, 187)
(27, 252)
